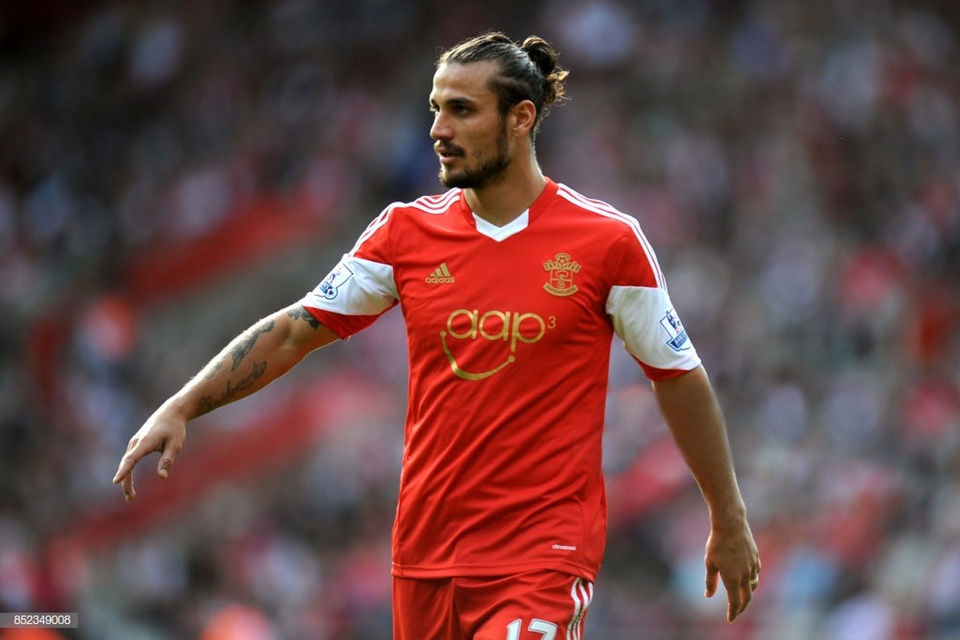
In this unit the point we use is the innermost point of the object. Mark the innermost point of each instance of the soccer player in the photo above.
(512, 287)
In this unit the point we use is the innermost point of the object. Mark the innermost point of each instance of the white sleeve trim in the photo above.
(355, 287)
(644, 318)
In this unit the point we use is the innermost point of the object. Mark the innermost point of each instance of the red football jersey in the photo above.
(509, 332)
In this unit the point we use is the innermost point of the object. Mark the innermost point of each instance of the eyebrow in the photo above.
(454, 102)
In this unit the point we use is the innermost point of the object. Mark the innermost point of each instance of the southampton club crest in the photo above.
(562, 269)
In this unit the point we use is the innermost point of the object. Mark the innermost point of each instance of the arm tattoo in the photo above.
(245, 344)
(302, 314)
(213, 368)
(242, 348)
(208, 403)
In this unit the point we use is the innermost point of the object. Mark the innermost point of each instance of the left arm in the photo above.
(693, 415)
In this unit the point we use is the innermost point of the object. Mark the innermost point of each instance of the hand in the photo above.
(165, 432)
(732, 556)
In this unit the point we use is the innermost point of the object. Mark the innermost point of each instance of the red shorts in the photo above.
(540, 605)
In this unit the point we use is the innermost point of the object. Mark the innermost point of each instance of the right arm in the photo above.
(251, 361)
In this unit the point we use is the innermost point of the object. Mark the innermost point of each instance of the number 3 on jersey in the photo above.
(547, 630)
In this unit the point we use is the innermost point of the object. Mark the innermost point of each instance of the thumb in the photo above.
(711, 587)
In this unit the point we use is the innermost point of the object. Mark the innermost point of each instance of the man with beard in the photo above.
(512, 287)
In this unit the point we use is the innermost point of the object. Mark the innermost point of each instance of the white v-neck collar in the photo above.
(499, 234)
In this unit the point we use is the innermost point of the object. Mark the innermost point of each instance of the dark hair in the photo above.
(527, 72)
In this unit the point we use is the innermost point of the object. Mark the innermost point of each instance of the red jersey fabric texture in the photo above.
(509, 332)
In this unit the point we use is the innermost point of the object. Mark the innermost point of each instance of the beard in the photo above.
(490, 170)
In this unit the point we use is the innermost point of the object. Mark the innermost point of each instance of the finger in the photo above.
(126, 466)
(170, 452)
(744, 593)
(126, 484)
(127, 463)
(736, 596)
(738, 591)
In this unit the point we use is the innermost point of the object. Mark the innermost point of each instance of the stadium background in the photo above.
(172, 171)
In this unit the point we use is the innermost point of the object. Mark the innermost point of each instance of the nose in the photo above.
(440, 130)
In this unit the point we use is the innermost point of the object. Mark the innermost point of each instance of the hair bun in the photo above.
(541, 53)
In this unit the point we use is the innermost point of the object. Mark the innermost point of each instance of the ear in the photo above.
(522, 116)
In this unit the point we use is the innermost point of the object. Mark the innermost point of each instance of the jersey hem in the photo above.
(656, 374)
(465, 571)
(342, 325)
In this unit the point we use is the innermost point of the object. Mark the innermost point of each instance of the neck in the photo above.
(503, 202)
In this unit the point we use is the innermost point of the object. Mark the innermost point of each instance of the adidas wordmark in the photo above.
(440, 276)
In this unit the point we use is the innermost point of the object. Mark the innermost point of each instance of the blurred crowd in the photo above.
(171, 171)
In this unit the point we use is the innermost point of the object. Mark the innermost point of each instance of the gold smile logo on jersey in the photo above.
(562, 270)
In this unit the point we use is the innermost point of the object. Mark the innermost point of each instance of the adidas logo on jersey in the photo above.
(440, 276)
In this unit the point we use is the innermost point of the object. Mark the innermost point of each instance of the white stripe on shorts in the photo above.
(582, 593)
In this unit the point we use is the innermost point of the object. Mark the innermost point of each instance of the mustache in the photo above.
(447, 150)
